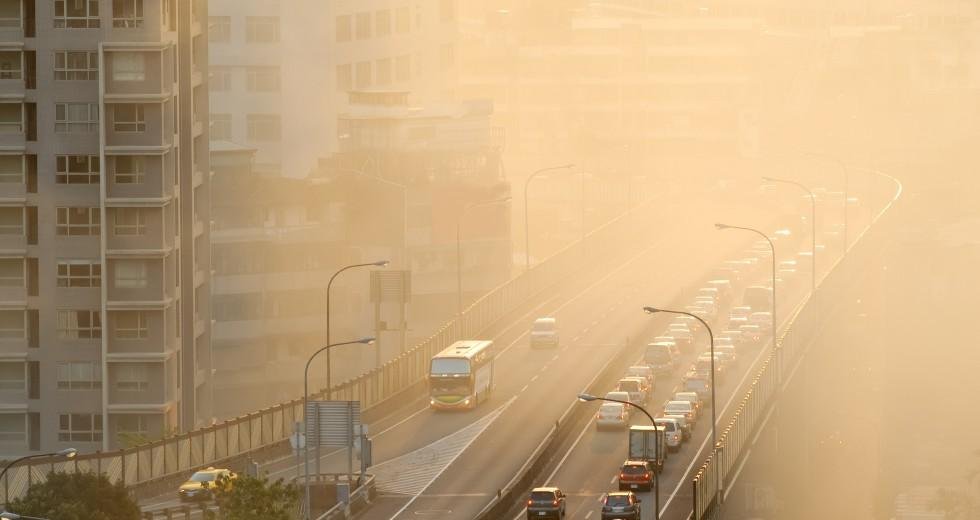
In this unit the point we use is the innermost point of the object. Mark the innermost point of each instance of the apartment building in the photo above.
(104, 306)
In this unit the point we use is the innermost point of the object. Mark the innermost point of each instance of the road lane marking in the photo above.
(589, 514)
(535, 378)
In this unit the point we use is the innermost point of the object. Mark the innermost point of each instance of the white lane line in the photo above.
(452, 460)
(589, 514)
(576, 338)
(555, 358)
(523, 389)
(535, 378)
(613, 480)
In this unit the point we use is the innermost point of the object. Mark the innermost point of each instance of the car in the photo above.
(702, 312)
(203, 483)
(684, 408)
(704, 300)
(735, 322)
(724, 288)
(673, 431)
(691, 397)
(660, 358)
(683, 337)
(710, 292)
(645, 372)
(692, 323)
(724, 340)
(740, 311)
(753, 333)
(622, 505)
(703, 366)
(636, 474)
(762, 319)
(738, 337)
(546, 502)
(727, 353)
(671, 344)
(618, 395)
(544, 333)
(687, 426)
(612, 415)
(636, 388)
(698, 384)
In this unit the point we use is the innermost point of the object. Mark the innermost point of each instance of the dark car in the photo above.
(622, 505)
(636, 474)
(546, 502)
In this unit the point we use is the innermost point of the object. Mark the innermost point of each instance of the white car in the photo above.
(674, 435)
(741, 311)
(685, 424)
(691, 397)
(644, 372)
(612, 415)
(762, 319)
(726, 353)
(636, 388)
(684, 408)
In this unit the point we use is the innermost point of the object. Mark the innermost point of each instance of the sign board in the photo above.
(332, 424)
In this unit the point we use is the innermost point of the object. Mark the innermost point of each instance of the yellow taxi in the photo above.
(202, 484)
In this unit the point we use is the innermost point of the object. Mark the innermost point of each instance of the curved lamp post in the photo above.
(459, 253)
(68, 453)
(714, 411)
(379, 263)
(527, 237)
(306, 398)
(772, 248)
(7, 515)
(813, 227)
(656, 492)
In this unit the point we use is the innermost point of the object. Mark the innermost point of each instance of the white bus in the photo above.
(462, 375)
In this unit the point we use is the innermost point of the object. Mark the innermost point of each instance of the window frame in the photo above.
(15, 334)
(64, 224)
(66, 73)
(255, 75)
(63, 173)
(67, 279)
(71, 434)
(128, 22)
(69, 126)
(89, 21)
(5, 383)
(136, 176)
(14, 178)
(123, 75)
(131, 282)
(251, 130)
(139, 332)
(5, 436)
(124, 126)
(68, 331)
(133, 382)
(219, 21)
(256, 25)
(66, 379)
(125, 228)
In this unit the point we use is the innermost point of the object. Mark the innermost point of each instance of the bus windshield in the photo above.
(450, 366)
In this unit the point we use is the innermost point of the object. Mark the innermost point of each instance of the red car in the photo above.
(636, 474)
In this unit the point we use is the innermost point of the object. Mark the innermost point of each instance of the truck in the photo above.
(643, 445)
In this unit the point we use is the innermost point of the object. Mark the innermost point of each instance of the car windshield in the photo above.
(667, 425)
(543, 326)
(617, 500)
(629, 386)
(634, 469)
(678, 407)
(201, 476)
(450, 366)
(542, 496)
(611, 408)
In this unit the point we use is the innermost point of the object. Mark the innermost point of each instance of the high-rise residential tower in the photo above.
(104, 256)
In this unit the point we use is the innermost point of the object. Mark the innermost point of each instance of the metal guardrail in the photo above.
(168, 458)
(708, 482)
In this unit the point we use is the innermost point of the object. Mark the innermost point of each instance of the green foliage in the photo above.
(250, 498)
(77, 496)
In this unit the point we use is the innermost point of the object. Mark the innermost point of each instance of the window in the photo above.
(127, 14)
(11, 221)
(128, 117)
(363, 74)
(262, 79)
(132, 425)
(382, 71)
(75, 324)
(11, 272)
(129, 221)
(401, 20)
(76, 117)
(10, 65)
(11, 169)
(76, 65)
(219, 29)
(11, 118)
(402, 68)
(263, 127)
(77, 169)
(343, 28)
(382, 23)
(363, 29)
(13, 324)
(80, 375)
(129, 169)
(79, 273)
(128, 66)
(220, 127)
(10, 14)
(261, 29)
(130, 274)
(74, 221)
(219, 79)
(13, 427)
(81, 427)
(131, 325)
(345, 80)
(131, 377)
(76, 14)
(13, 376)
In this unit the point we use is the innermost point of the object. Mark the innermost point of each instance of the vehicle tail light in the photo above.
(530, 502)
(646, 475)
(622, 475)
(554, 502)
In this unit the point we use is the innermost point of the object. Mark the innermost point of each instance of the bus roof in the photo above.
(465, 349)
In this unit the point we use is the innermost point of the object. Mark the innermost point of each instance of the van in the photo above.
(699, 385)
(544, 333)
(659, 358)
(635, 386)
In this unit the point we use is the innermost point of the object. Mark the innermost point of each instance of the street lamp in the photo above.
(459, 253)
(306, 398)
(813, 231)
(656, 490)
(380, 263)
(847, 175)
(772, 248)
(527, 238)
(68, 453)
(714, 411)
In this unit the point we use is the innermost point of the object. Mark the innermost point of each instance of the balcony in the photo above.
(12, 122)
(13, 281)
(13, 235)
(138, 283)
(137, 229)
(11, 21)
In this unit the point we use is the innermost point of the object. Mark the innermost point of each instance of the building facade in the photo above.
(104, 202)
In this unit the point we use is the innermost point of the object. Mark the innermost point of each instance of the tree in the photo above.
(77, 496)
(250, 498)
(960, 503)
